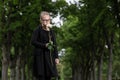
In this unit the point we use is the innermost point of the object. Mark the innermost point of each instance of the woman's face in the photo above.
(45, 20)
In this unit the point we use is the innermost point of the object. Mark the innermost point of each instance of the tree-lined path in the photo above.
(88, 40)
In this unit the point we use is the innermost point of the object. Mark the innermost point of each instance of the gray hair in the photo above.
(44, 13)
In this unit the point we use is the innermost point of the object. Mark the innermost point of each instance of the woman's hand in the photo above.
(50, 45)
(46, 45)
(57, 61)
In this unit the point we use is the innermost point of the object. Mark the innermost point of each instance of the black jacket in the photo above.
(44, 60)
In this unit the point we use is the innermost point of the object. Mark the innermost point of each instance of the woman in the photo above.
(45, 51)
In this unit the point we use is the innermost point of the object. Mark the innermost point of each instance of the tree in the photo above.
(95, 31)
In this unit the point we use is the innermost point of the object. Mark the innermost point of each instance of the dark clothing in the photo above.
(44, 60)
(44, 78)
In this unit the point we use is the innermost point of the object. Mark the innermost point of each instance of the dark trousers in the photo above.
(44, 78)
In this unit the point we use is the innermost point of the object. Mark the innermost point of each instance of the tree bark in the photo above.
(110, 48)
(109, 41)
(110, 63)
(12, 69)
(18, 72)
(12, 74)
(100, 64)
(4, 63)
(76, 74)
(94, 71)
(23, 69)
(22, 73)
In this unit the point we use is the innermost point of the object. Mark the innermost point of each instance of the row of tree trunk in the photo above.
(77, 71)
(12, 69)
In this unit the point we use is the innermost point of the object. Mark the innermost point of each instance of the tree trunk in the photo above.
(4, 63)
(18, 72)
(12, 73)
(110, 48)
(110, 63)
(23, 69)
(109, 41)
(79, 73)
(22, 73)
(12, 69)
(76, 73)
(94, 72)
(100, 64)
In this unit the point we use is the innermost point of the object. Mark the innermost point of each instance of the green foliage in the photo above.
(15, 25)
(85, 31)
(82, 34)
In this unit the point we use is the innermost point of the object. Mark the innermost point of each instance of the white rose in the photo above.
(49, 25)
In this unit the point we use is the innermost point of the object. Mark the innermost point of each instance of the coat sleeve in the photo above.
(55, 47)
(34, 40)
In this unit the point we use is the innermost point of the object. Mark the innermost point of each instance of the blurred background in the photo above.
(87, 32)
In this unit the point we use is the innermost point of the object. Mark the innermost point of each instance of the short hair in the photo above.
(44, 13)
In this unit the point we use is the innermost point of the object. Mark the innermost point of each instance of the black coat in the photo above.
(44, 60)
